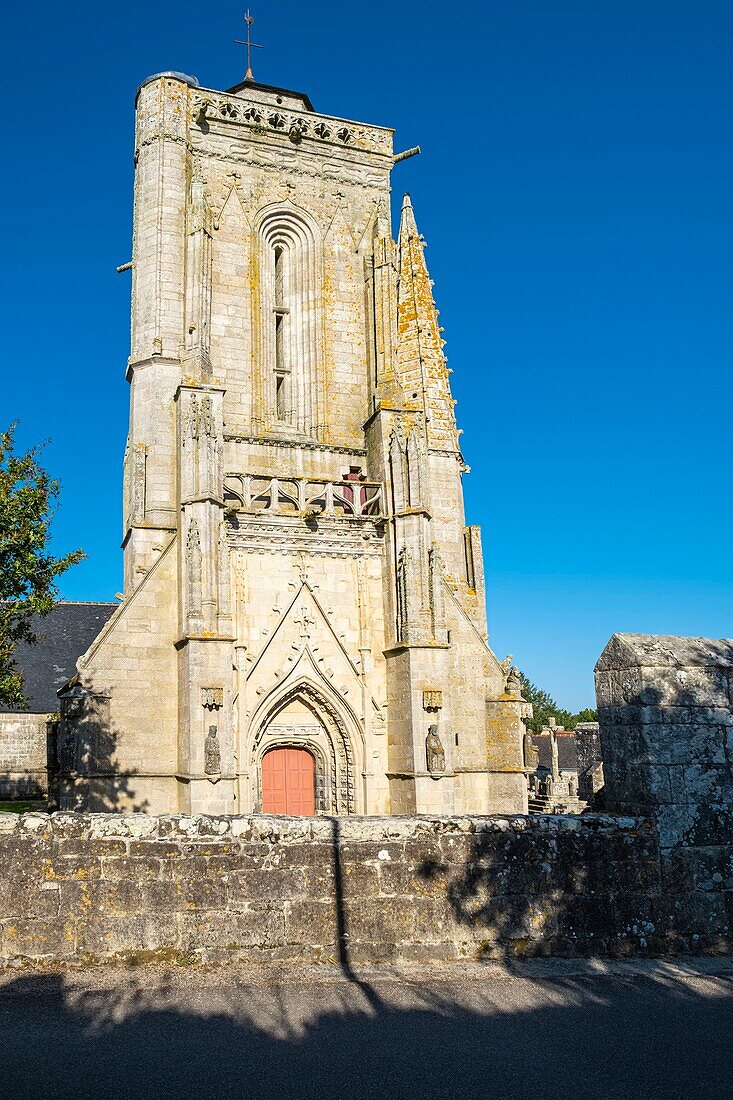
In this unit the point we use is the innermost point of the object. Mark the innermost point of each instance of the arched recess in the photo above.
(336, 741)
(290, 388)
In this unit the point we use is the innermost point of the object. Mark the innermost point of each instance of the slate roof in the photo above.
(566, 751)
(63, 635)
(272, 88)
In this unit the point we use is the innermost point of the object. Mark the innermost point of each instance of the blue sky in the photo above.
(575, 192)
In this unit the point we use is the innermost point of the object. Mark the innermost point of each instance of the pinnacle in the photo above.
(408, 225)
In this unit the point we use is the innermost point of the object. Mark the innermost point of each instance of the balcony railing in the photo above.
(303, 496)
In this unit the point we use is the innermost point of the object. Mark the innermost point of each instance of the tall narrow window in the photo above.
(283, 404)
(292, 398)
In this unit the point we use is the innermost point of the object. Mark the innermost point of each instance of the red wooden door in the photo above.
(288, 782)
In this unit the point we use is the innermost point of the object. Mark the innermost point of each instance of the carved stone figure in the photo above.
(193, 561)
(434, 751)
(212, 752)
(207, 416)
(513, 682)
(138, 483)
(531, 753)
(193, 419)
(403, 621)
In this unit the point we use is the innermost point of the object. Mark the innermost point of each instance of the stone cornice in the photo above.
(300, 126)
(295, 444)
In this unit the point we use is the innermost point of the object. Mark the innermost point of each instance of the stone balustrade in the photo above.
(304, 496)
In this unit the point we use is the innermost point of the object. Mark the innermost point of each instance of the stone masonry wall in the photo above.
(76, 888)
(665, 707)
(23, 755)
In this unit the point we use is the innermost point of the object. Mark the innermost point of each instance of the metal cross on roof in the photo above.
(249, 20)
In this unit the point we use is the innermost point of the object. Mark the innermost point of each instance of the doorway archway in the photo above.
(302, 716)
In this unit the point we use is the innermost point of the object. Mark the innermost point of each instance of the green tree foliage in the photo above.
(544, 707)
(28, 571)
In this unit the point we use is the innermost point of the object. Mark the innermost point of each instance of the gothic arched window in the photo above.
(289, 321)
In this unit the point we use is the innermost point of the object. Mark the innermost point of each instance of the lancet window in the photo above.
(289, 318)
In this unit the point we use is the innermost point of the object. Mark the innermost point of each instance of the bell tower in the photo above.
(304, 603)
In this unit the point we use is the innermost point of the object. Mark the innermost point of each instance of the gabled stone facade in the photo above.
(298, 572)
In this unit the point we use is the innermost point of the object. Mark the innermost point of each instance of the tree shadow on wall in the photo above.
(667, 760)
(667, 753)
(217, 1033)
(21, 786)
(520, 892)
(84, 771)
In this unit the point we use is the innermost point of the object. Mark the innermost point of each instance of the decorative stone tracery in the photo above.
(328, 739)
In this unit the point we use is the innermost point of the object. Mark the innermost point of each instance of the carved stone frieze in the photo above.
(212, 698)
(208, 109)
(432, 699)
(293, 536)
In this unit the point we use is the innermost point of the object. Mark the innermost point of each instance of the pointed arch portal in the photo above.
(303, 719)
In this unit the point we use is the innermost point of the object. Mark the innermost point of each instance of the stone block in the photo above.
(380, 920)
(312, 922)
(150, 936)
(37, 938)
(248, 886)
(708, 782)
(140, 869)
(678, 872)
(215, 931)
(712, 868)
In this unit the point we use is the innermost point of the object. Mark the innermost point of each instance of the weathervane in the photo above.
(249, 20)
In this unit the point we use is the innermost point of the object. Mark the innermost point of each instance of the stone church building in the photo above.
(303, 628)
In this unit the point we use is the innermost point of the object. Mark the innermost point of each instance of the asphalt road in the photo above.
(539, 1031)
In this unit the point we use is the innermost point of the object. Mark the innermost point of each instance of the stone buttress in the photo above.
(299, 578)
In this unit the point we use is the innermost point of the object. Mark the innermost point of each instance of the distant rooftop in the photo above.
(567, 755)
(63, 636)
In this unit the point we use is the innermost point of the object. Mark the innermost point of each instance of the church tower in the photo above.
(303, 628)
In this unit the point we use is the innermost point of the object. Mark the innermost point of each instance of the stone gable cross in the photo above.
(305, 622)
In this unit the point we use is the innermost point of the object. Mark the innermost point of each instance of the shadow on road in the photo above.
(228, 1033)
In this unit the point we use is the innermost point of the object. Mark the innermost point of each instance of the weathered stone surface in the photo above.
(391, 889)
(666, 716)
(23, 755)
(297, 569)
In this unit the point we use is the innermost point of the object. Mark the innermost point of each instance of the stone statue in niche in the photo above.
(193, 561)
(207, 417)
(212, 752)
(434, 751)
(531, 753)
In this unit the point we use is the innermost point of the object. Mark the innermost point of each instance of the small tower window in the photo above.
(280, 312)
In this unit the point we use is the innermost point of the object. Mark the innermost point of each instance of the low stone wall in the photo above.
(23, 755)
(77, 888)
